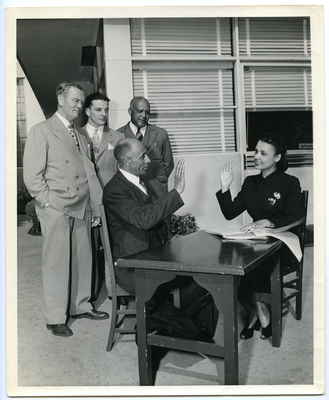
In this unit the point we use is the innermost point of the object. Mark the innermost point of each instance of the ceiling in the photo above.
(50, 50)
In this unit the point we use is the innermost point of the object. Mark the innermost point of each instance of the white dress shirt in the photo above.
(64, 120)
(135, 129)
(134, 179)
(91, 130)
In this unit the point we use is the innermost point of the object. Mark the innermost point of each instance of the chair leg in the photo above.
(276, 304)
(114, 321)
(299, 301)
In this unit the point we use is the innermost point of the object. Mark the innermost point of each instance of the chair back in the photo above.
(301, 229)
(110, 280)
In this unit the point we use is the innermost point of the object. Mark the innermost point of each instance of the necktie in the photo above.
(142, 184)
(95, 141)
(139, 135)
(73, 134)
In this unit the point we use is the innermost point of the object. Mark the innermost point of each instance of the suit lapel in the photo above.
(150, 136)
(84, 140)
(83, 132)
(65, 137)
(138, 193)
(129, 133)
(107, 139)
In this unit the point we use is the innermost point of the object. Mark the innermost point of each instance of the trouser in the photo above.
(190, 293)
(66, 264)
(98, 264)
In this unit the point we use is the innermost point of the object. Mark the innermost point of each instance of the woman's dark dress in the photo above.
(278, 198)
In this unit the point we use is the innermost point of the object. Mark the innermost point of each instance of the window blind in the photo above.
(180, 36)
(275, 37)
(195, 105)
(278, 87)
(21, 121)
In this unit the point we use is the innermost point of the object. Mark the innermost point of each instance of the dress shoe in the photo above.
(247, 332)
(92, 314)
(267, 332)
(60, 330)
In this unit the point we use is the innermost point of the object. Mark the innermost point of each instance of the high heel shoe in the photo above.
(267, 332)
(248, 333)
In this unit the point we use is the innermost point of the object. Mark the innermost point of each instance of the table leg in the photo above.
(144, 350)
(144, 293)
(276, 301)
(231, 354)
(224, 292)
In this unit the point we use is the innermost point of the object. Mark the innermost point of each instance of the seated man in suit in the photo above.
(136, 219)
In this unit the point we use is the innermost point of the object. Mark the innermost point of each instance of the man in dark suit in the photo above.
(60, 176)
(156, 142)
(102, 141)
(137, 219)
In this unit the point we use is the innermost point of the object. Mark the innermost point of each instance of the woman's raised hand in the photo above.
(226, 176)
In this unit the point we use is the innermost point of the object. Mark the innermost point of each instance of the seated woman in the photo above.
(273, 199)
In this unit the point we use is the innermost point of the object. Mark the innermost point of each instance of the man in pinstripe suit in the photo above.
(137, 222)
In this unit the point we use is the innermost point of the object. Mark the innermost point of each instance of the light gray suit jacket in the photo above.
(106, 165)
(56, 172)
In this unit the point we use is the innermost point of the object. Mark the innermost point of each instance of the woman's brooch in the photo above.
(272, 200)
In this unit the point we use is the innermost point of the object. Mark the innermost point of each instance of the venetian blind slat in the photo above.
(275, 36)
(195, 107)
(184, 36)
(278, 86)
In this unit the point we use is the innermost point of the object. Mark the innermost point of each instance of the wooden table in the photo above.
(216, 265)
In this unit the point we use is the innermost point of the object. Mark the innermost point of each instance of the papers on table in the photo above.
(234, 233)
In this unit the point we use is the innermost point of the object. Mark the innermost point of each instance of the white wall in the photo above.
(202, 183)
(118, 70)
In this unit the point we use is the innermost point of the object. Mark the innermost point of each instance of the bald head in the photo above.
(131, 156)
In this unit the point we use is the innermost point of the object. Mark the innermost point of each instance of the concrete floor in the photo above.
(46, 362)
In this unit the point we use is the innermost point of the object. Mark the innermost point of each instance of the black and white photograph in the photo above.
(165, 191)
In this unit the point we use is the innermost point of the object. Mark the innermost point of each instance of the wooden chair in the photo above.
(116, 291)
(291, 276)
(293, 286)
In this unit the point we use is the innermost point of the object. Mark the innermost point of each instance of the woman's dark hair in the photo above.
(280, 145)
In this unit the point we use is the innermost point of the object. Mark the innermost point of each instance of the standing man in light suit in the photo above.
(60, 176)
(102, 141)
(156, 142)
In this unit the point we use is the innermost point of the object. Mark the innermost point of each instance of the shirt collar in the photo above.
(91, 129)
(131, 177)
(135, 129)
(64, 120)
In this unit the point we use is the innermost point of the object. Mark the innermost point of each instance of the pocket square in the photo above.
(110, 147)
